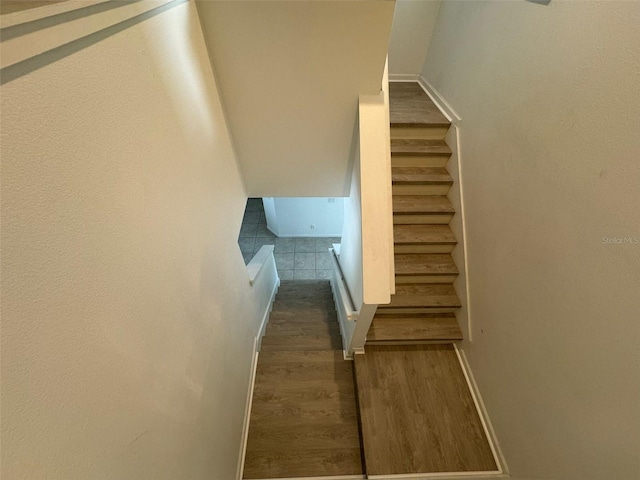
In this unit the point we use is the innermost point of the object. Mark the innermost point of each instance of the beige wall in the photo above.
(550, 111)
(127, 316)
(413, 23)
(290, 75)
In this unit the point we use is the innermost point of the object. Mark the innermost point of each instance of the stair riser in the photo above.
(389, 310)
(419, 161)
(423, 248)
(421, 189)
(426, 133)
(399, 219)
(406, 279)
(411, 342)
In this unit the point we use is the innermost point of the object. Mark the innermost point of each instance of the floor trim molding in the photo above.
(446, 109)
(488, 475)
(489, 431)
(252, 381)
(403, 77)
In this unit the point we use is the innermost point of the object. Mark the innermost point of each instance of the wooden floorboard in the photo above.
(417, 413)
(304, 420)
(410, 105)
(414, 328)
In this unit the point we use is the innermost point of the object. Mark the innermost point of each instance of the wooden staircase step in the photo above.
(425, 268)
(422, 175)
(300, 342)
(280, 464)
(302, 318)
(299, 372)
(265, 439)
(423, 239)
(420, 181)
(425, 264)
(300, 328)
(422, 298)
(419, 147)
(418, 131)
(412, 329)
(422, 204)
(293, 356)
(422, 209)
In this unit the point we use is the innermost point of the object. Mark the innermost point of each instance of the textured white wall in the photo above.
(413, 23)
(127, 316)
(550, 110)
(290, 74)
(294, 216)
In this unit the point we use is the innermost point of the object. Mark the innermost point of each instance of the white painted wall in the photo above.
(351, 245)
(290, 75)
(293, 217)
(127, 317)
(413, 24)
(550, 111)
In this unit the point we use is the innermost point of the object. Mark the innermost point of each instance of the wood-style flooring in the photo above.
(303, 418)
(417, 413)
(411, 106)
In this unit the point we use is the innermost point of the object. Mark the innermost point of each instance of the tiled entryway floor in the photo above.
(300, 258)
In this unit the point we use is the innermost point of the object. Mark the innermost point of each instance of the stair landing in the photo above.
(417, 413)
(409, 105)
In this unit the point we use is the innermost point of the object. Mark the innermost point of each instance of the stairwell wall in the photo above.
(128, 321)
(549, 153)
(413, 23)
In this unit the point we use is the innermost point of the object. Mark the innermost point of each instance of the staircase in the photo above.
(423, 307)
(417, 413)
(303, 418)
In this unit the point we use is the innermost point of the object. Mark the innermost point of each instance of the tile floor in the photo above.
(301, 258)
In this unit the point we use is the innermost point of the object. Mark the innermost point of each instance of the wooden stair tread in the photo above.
(307, 462)
(264, 439)
(283, 372)
(425, 264)
(414, 328)
(422, 204)
(301, 342)
(417, 146)
(303, 329)
(310, 356)
(423, 295)
(415, 234)
(425, 175)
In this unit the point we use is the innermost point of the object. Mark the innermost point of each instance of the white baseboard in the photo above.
(498, 456)
(252, 379)
(339, 477)
(446, 109)
(247, 413)
(443, 476)
(403, 77)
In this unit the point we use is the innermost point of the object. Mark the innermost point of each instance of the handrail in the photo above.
(343, 290)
